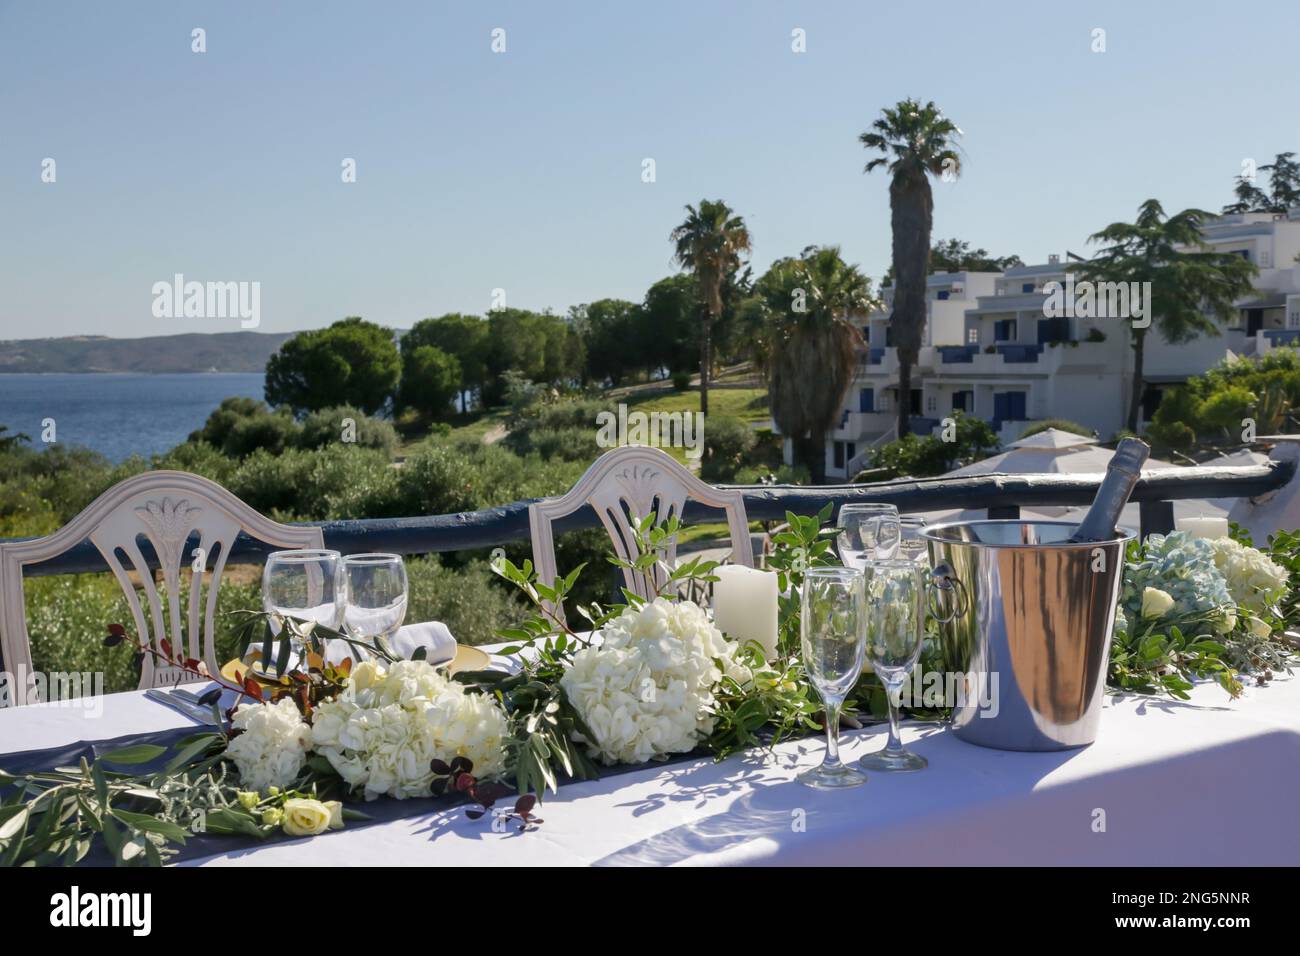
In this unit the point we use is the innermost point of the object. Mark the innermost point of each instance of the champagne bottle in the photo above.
(1121, 475)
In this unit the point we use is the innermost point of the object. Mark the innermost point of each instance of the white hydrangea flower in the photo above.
(391, 721)
(648, 689)
(1254, 580)
(273, 744)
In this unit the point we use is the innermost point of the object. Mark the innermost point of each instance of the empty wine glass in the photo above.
(306, 585)
(377, 593)
(832, 633)
(895, 596)
(867, 530)
(911, 545)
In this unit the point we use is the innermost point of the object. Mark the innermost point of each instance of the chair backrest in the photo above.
(635, 480)
(162, 508)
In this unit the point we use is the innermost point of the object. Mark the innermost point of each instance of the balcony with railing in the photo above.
(1002, 495)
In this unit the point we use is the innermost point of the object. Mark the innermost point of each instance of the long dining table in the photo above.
(1201, 782)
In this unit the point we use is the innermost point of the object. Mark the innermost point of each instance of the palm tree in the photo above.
(918, 142)
(710, 243)
(812, 345)
(1191, 286)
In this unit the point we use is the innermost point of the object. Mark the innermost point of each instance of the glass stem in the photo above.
(832, 760)
(895, 698)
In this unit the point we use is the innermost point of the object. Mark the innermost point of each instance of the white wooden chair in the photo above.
(163, 508)
(635, 480)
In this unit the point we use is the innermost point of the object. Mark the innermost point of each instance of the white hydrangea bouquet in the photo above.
(1194, 608)
(648, 689)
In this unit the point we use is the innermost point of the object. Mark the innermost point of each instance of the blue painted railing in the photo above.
(1001, 495)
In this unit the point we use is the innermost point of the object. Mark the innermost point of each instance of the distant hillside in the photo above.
(196, 352)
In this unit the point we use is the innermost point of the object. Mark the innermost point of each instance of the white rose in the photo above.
(1155, 602)
(304, 817)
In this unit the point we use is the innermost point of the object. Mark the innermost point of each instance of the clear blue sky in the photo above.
(522, 170)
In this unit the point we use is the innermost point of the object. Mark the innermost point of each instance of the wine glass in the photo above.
(307, 585)
(377, 593)
(832, 633)
(867, 530)
(911, 545)
(895, 594)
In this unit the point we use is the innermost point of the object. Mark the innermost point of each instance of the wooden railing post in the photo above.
(1155, 517)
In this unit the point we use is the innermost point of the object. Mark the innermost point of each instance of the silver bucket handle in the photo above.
(945, 582)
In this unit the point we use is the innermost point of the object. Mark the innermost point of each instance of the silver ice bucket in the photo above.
(1025, 621)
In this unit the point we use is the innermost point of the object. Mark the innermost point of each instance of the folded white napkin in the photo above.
(431, 634)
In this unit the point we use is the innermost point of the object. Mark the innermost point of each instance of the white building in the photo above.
(990, 348)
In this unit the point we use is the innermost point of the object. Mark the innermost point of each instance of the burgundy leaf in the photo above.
(524, 805)
(461, 765)
(439, 767)
(474, 814)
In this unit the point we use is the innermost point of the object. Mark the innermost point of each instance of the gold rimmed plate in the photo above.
(466, 659)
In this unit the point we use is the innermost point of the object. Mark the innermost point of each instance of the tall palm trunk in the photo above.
(706, 359)
(816, 456)
(1139, 382)
(911, 208)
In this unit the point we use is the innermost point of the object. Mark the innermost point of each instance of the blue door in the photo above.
(1015, 406)
(866, 400)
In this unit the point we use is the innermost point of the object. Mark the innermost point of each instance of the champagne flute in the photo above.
(306, 585)
(377, 593)
(911, 545)
(832, 634)
(867, 530)
(895, 593)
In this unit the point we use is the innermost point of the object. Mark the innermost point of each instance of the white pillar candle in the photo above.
(1204, 526)
(744, 606)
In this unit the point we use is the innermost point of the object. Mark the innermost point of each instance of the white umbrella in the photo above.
(1053, 451)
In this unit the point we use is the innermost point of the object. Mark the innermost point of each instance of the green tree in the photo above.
(710, 243)
(1209, 408)
(541, 346)
(814, 345)
(918, 142)
(671, 309)
(1283, 191)
(614, 334)
(431, 379)
(463, 336)
(352, 362)
(956, 255)
(1191, 286)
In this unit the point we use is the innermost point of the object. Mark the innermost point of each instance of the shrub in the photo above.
(681, 381)
(270, 433)
(67, 617)
(922, 457)
(726, 443)
(326, 426)
(469, 600)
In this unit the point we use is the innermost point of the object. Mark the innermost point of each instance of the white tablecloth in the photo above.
(1210, 782)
